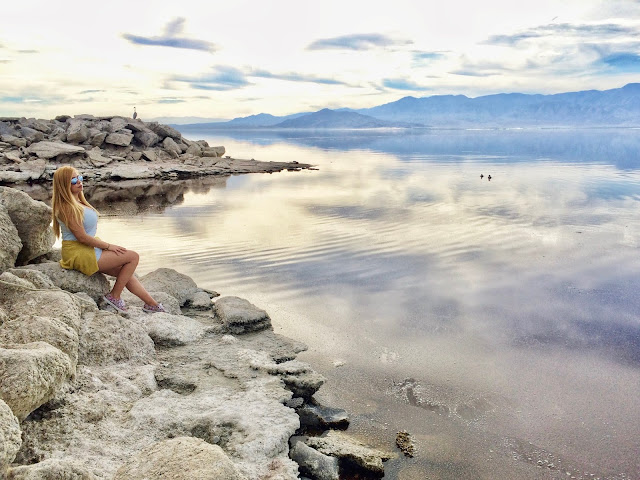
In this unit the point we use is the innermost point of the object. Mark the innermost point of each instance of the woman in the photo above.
(77, 221)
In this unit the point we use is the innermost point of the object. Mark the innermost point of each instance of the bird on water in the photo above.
(481, 176)
(489, 177)
(135, 114)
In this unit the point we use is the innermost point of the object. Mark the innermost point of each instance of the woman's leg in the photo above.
(132, 284)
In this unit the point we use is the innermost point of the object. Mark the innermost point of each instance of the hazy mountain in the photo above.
(182, 120)
(620, 106)
(252, 121)
(327, 118)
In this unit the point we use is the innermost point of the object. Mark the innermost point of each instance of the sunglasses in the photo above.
(77, 179)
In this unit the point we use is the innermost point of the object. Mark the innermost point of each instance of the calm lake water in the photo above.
(498, 322)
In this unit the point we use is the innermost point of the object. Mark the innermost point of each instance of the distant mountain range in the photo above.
(616, 107)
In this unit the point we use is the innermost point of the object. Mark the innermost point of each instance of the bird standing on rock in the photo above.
(135, 114)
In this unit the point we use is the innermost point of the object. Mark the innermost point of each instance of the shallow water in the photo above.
(496, 321)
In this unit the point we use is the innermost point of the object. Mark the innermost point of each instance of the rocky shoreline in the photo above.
(205, 391)
(112, 148)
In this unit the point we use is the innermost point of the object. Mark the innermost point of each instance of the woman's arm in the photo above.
(83, 237)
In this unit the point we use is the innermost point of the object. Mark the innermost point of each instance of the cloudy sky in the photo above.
(241, 57)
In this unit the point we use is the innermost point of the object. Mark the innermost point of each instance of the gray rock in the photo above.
(164, 131)
(10, 437)
(10, 243)
(48, 150)
(199, 300)
(34, 168)
(13, 140)
(146, 138)
(51, 469)
(98, 139)
(182, 458)
(194, 149)
(30, 375)
(118, 123)
(213, 151)
(31, 328)
(170, 303)
(304, 384)
(32, 219)
(8, 176)
(313, 463)
(119, 139)
(318, 416)
(77, 132)
(239, 316)
(37, 278)
(96, 158)
(167, 280)
(40, 125)
(62, 118)
(150, 155)
(129, 171)
(172, 330)
(106, 339)
(340, 445)
(13, 156)
(171, 147)
(30, 134)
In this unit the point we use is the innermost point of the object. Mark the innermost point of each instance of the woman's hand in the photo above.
(118, 250)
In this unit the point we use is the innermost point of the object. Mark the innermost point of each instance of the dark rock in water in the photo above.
(313, 463)
(315, 416)
(405, 443)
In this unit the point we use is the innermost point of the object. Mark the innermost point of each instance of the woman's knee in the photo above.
(133, 257)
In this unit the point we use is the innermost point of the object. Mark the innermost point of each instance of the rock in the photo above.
(32, 219)
(146, 138)
(318, 416)
(13, 156)
(36, 278)
(35, 168)
(98, 139)
(200, 300)
(304, 384)
(167, 280)
(96, 158)
(194, 149)
(62, 118)
(340, 445)
(8, 176)
(30, 375)
(213, 151)
(13, 140)
(106, 338)
(73, 281)
(30, 134)
(119, 139)
(40, 125)
(118, 123)
(405, 443)
(48, 150)
(134, 156)
(172, 330)
(240, 316)
(77, 131)
(170, 304)
(51, 469)
(150, 155)
(129, 171)
(32, 328)
(164, 131)
(312, 462)
(182, 458)
(10, 243)
(172, 147)
(10, 437)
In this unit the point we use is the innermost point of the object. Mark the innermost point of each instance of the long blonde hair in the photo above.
(64, 205)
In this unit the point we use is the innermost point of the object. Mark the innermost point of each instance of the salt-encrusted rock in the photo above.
(340, 445)
(146, 138)
(128, 171)
(51, 469)
(167, 280)
(318, 416)
(31, 219)
(96, 158)
(213, 151)
(312, 462)
(10, 437)
(164, 131)
(10, 243)
(172, 147)
(47, 150)
(32, 328)
(13, 140)
(77, 131)
(30, 134)
(35, 277)
(304, 384)
(172, 330)
(120, 139)
(30, 375)
(200, 300)
(240, 316)
(22, 300)
(73, 281)
(182, 458)
(106, 338)
(169, 303)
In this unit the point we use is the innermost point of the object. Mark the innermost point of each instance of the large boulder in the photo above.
(171, 147)
(129, 171)
(313, 463)
(172, 330)
(32, 219)
(32, 135)
(10, 437)
(107, 339)
(240, 316)
(34, 168)
(119, 139)
(95, 285)
(77, 132)
(213, 151)
(32, 328)
(96, 158)
(10, 244)
(30, 375)
(167, 280)
(182, 458)
(48, 150)
(51, 469)
(146, 138)
(164, 131)
(13, 140)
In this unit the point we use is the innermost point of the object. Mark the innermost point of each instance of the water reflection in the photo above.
(511, 304)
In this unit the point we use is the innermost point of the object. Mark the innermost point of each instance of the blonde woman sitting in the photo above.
(77, 221)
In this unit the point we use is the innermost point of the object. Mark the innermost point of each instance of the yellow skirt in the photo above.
(78, 256)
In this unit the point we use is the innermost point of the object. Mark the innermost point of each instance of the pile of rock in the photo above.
(110, 147)
(207, 390)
